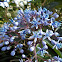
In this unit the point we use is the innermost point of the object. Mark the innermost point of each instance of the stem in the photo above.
(6, 13)
(35, 52)
(43, 3)
(42, 58)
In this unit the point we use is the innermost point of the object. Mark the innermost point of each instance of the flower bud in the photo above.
(32, 48)
(23, 56)
(21, 51)
(3, 48)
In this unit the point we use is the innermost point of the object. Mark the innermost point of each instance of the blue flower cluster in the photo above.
(27, 28)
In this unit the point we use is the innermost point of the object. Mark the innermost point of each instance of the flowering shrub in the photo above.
(28, 32)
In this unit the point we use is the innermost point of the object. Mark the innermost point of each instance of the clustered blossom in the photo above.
(27, 27)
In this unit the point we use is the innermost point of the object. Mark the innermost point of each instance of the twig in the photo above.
(43, 3)
(14, 60)
(42, 58)
(35, 52)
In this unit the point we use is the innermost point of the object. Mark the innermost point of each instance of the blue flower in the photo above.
(12, 20)
(44, 43)
(49, 12)
(53, 42)
(45, 19)
(27, 11)
(44, 10)
(46, 15)
(55, 15)
(56, 34)
(48, 34)
(40, 9)
(55, 24)
(4, 28)
(35, 23)
(57, 45)
(41, 52)
(59, 39)
(24, 32)
(33, 12)
(36, 35)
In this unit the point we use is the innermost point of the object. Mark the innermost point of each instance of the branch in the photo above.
(43, 3)
(35, 52)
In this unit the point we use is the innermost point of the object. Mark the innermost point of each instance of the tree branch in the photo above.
(43, 3)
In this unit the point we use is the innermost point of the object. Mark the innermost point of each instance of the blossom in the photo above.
(36, 35)
(48, 34)
(35, 23)
(42, 52)
(55, 15)
(55, 24)
(57, 45)
(4, 28)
